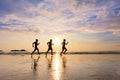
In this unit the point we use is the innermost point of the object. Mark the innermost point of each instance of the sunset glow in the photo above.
(57, 41)
(88, 25)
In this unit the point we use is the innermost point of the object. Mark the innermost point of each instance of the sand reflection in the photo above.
(35, 62)
(56, 66)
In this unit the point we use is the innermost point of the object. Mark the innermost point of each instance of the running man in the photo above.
(64, 49)
(35, 45)
(50, 47)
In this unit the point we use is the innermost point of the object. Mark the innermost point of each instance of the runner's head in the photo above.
(50, 40)
(64, 40)
(36, 40)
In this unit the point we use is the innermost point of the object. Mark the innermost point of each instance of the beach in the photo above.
(56, 67)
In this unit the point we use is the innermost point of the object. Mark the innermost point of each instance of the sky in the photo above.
(88, 25)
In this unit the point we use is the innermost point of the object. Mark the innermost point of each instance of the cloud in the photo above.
(116, 11)
(12, 6)
(78, 16)
(67, 13)
(35, 2)
(85, 22)
(20, 30)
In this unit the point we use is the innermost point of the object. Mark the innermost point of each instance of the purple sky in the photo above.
(89, 25)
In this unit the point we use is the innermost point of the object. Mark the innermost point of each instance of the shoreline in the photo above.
(68, 53)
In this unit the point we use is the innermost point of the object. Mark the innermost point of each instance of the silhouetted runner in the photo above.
(64, 49)
(50, 47)
(35, 45)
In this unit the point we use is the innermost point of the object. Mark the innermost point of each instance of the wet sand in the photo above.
(56, 67)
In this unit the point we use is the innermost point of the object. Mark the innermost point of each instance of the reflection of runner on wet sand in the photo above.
(64, 62)
(35, 62)
(49, 61)
(64, 49)
(56, 66)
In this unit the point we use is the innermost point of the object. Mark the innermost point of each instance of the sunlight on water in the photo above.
(57, 67)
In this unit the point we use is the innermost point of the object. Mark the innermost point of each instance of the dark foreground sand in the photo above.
(67, 67)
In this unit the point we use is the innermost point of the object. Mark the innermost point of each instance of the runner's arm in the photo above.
(33, 44)
(67, 43)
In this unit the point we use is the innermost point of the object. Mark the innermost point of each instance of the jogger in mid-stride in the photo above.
(50, 47)
(64, 49)
(35, 45)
